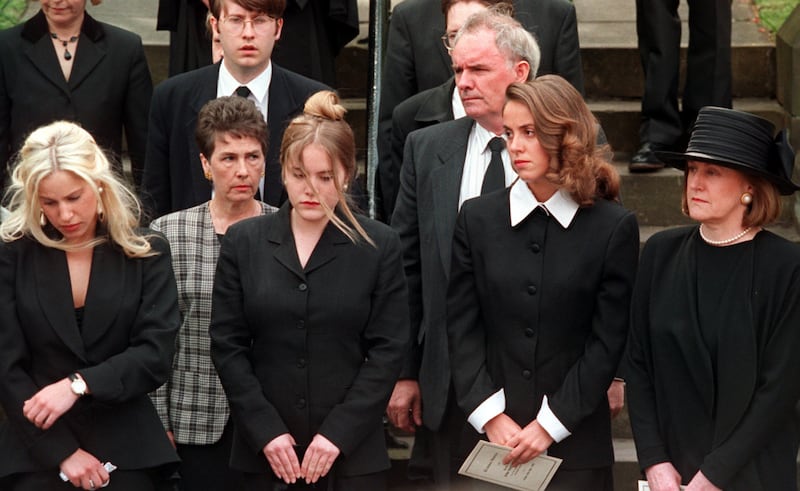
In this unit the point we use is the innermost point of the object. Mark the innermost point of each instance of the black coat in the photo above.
(123, 350)
(173, 176)
(109, 88)
(537, 309)
(308, 350)
(734, 420)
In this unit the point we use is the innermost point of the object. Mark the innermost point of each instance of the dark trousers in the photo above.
(138, 480)
(205, 467)
(708, 64)
(332, 482)
(568, 480)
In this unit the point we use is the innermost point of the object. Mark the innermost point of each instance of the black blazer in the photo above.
(123, 350)
(539, 310)
(173, 176)
(425, 216)
(109, 88)
(308, 350)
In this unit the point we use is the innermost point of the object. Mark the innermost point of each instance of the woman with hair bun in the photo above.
(90, 313)
(309, 322)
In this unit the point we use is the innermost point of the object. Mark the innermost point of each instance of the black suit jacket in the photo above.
(123, 350)
(173, 176)
(109, 88)
(425, 216)
(416, 60)
(309, 350)
(537, 309)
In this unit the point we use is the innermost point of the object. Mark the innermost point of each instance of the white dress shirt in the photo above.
(477, 161)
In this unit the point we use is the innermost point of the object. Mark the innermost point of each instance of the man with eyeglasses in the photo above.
(248, 30)
(418, 62)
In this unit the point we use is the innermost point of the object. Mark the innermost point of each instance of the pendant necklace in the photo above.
(65, 43)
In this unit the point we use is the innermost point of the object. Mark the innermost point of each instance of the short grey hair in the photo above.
(511, 39)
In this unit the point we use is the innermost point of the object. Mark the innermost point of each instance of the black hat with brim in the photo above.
(741, 141)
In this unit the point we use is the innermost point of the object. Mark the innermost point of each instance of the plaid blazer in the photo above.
(192, 403)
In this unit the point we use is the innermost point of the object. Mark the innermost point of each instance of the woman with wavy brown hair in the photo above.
(541, 278)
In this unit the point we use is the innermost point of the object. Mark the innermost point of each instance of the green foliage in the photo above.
(772, 13)
(11, 11)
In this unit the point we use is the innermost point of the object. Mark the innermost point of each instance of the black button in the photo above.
(532, 290)
(526, 374)
(301, 324)
(529, 332)
(301, 363)
(303, 287)
(301, 403)
(536, 248)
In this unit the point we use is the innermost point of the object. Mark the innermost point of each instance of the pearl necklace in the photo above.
(726, 241)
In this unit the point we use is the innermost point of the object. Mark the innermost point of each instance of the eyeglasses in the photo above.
(234, 24)
(448, 39)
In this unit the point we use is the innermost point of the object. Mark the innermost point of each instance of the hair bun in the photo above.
(325, 104)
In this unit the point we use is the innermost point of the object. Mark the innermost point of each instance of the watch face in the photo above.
(78, 387)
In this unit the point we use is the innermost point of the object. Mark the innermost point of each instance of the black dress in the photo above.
(714, 337)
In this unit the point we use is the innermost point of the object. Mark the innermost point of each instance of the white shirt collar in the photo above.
(522, 203)
(259, 86)
(458, 106)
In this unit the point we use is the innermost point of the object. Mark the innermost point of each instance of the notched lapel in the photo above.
(326, 249)
(42, 56)
(87, 57)
(281, 235)
(55, 297)
(104, 294)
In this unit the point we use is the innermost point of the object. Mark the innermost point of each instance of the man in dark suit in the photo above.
(444, 165)
(553, 23)
(173, 177)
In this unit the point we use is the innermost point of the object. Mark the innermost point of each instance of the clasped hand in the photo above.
(526, 443)
(49, 404)
(317, 462)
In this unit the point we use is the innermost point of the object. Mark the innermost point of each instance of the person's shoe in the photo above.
(645, 160)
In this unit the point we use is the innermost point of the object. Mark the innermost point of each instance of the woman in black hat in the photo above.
(715, 329)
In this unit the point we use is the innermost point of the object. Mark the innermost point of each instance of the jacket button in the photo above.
(529, 332)
(301, 403)
(303, 287)
(526, 374)
(301, 363)
(532, 290)
(301, 324)
(536, 248)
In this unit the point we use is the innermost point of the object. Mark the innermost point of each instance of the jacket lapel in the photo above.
(104, 293)
(325, 250)
(281, 235)
(55, 296)
(41, 55)
(90, 53)
(446, 182)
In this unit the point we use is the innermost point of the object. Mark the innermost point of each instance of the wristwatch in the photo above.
(77, 384)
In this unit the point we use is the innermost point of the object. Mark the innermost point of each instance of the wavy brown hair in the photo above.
(567, 130)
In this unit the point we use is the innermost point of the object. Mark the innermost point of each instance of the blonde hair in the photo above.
(322, 123)
(65, 146)
(567, 131)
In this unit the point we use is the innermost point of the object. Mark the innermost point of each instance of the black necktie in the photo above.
(243, 91)
(495, 176)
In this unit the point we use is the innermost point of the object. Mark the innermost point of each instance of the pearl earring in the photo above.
(746, 199)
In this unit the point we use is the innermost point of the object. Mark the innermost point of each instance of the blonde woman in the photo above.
(309, 321)
(89, 309)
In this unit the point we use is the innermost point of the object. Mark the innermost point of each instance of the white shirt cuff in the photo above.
(548, 420)
(491, 407)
